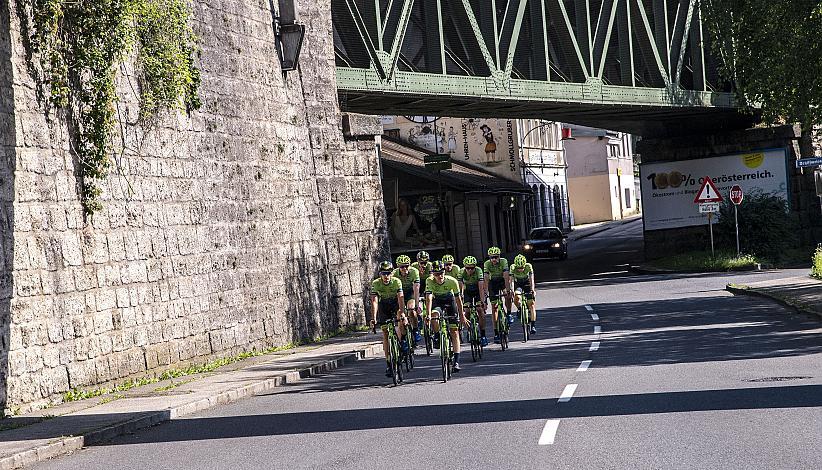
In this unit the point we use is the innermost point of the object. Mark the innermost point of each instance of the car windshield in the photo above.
(546, 234)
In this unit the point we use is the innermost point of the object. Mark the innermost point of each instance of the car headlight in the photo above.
(527, 246)
(555, 245)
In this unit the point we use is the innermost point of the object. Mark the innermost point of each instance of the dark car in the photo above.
(546, 242)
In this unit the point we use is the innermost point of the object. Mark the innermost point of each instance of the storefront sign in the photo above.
(669, 188)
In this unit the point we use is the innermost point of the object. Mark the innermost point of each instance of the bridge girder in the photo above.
(635, 65)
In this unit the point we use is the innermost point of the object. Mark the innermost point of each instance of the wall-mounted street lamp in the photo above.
(289, 33)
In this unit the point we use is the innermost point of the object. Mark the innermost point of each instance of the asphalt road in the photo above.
(625, 372)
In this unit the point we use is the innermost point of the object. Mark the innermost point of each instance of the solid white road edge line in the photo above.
(597, 330)
(584, 366)
(589, 308)
(549, 432)
(567, 393)
(594, 346)
(594, 317)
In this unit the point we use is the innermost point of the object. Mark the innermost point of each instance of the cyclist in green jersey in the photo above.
(386, 298)
(410, 279)
(451, 269)
(472, 287)
(443, 292)
(423, 265)
(523, 274)
(497, 279)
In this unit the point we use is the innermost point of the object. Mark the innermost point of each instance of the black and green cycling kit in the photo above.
(408, 281)
(471, 280)
(445, 295)
(424, 271)
(387, 295)
(495, 274)
(522, 277)
(453, 272)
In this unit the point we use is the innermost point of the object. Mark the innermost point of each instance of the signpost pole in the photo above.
(711, 227)
(736, 221)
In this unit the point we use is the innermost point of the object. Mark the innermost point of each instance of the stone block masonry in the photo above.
(250, 223)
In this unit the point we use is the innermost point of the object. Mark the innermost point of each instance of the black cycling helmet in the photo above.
(386, 266)
(438, 267)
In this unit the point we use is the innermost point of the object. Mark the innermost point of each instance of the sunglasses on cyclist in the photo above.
(385, 273)
(404, 266)
(470, 267)
(438, 273)
(494, 257)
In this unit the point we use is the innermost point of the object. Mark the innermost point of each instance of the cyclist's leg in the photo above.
(532, 305)
(453, 330)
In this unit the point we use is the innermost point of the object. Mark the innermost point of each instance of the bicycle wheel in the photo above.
(444, 356)
(429, 341)
(472, 335)
(395, 363)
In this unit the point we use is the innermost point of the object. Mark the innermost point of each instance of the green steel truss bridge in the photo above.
(642, 66)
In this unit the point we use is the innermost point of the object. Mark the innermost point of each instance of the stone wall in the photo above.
(803, 199)
(249, 223)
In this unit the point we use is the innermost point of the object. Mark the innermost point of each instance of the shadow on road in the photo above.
(801, 396)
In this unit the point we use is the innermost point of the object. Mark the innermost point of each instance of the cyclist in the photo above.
(410, 279)
(523, 274)
(386, 298)
(442, 292)
(423, 266)
(472, 287)
(495, 271)
(451, 269)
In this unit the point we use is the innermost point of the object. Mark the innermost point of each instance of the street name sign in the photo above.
(737, 195)
(439, 161)
(708, 192)
(709, 207)
(803, 162)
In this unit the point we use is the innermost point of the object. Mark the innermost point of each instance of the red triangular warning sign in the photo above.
(708, 192)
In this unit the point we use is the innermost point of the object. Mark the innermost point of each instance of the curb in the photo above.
(66, 445)
(782, 301)
(649, 270)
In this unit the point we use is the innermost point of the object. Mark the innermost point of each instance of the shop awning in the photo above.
(463, 178)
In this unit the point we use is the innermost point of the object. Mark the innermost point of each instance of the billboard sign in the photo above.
(669, 188)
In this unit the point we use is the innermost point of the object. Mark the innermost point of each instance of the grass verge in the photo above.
(703, 261)
(80, 394)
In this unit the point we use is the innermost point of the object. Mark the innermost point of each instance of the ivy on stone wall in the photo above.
(76, 47)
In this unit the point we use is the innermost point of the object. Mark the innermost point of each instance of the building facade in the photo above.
(601, 175)
(544, 170)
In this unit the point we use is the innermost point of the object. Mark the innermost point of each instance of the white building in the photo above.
(601, 182)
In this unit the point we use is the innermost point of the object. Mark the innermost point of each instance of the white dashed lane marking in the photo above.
(589, 308)
(597, 330)
(567, 393)
(594, 317)
(594, 346)
(549, 432)
(584, 366)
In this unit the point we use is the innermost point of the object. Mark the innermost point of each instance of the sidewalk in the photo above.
(803, 293)
(41, 435)
(579, 232)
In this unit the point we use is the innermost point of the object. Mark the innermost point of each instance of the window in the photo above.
(627, 198)
(614, 151)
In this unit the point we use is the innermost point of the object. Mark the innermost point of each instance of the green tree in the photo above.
(772, 51)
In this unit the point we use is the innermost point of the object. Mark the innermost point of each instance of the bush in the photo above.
(816, 271)
(766, 226)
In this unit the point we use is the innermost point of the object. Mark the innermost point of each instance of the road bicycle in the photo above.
(394, 354)
(502, 319)
(427, 335)
(408, 356)
(446, 349)
(474, 331)
(524, 308)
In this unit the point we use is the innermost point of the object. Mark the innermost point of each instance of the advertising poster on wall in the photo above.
(487, 144)
(669, 188)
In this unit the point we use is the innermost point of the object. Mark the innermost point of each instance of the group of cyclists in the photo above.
(428, 290)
